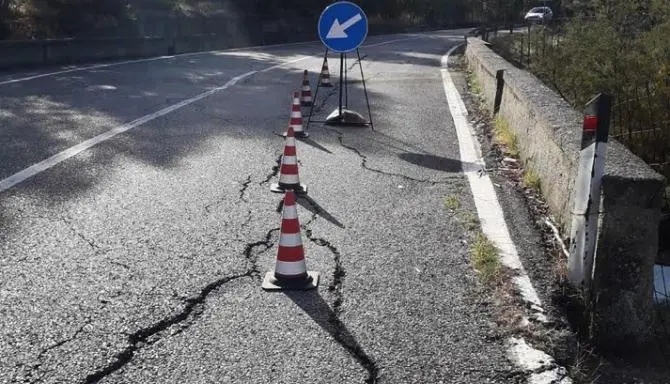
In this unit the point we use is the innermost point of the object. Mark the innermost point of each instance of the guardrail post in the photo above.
(500, 86)
(587, 191)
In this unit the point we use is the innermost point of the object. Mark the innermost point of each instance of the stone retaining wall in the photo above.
(549, 137)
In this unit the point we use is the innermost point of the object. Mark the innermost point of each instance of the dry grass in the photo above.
(452, 202)
(531, 180)
(504, 136)
(471, 221)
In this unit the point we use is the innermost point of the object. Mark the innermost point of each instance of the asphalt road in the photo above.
(139, 260)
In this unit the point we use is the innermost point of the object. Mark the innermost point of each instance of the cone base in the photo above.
(306, 103)
(347, 118)
(270, 283)
(327, 85)
(298, 135)
(276, 188)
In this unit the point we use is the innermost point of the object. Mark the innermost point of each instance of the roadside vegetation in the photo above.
(27, 19)
(485, 259)
(618, 47)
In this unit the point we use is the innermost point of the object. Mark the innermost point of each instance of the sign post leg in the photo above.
(341, 82)
(316, 94)
(365, 89)
(346, 83)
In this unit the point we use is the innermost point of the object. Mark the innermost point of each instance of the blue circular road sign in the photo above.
(343, 26)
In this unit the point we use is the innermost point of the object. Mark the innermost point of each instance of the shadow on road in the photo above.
(317, 308)
(312, 143)
(42, 118)
(434, 162)
(314, 207)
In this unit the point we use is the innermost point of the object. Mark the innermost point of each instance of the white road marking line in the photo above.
(50, 162)
(99, 66)
(78, 69)
(488, 207)
(495, 228)
(43, 165)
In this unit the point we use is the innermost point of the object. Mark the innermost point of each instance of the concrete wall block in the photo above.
(66, 51)
(623, 273)
(20, 53)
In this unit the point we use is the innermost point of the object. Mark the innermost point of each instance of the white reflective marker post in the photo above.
(586, 210)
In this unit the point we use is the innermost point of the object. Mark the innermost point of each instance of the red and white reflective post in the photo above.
(586, 210)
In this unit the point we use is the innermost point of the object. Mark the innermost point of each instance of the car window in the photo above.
(536, 10)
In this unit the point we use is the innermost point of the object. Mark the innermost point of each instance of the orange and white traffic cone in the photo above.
(296, 117)
(290, 271)
(324, 80)
(288, 169)
(306, 99)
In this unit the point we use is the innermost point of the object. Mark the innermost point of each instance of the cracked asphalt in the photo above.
(140, 260)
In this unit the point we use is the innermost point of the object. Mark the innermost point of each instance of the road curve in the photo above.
(138, 259)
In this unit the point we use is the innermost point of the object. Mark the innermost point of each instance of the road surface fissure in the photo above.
(340, 332)
(275, 171)
(35, 367)
(140, 338)
(190, 313)
(322, 104)
(364, 165)
(244, 188)
(92, 243)
(252, 257)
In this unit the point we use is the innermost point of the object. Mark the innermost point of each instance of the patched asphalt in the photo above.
(140, 259)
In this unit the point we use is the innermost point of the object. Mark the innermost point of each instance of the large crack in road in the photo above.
(253, 258)
(275, 171)
(139, 338)
(195, 305)
(341, 334)
(244, 188)
(364, 165)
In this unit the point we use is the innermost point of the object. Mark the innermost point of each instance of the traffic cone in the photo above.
(288, 170)
(296, 117)
(324, 80)
(290, 271)
(306, 97)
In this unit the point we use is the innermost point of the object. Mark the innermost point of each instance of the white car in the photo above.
(539, 14)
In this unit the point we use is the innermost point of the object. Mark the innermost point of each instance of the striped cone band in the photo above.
(290, 263)
(306, 94)
(289, 143)
(296, 114)
(325, 74)
(288, 171)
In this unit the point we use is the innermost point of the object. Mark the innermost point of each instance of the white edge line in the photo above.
(488, 207)
(107, 65)
(50, 162)
(114, 64)
(493, 222)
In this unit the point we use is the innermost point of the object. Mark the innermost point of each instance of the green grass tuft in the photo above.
(485, 259)
(452, 202)
(504, 136)
(531, 180)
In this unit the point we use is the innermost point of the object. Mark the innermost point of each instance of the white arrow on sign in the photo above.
(337, 31)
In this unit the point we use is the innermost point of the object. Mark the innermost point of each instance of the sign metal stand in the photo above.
(343, 26)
